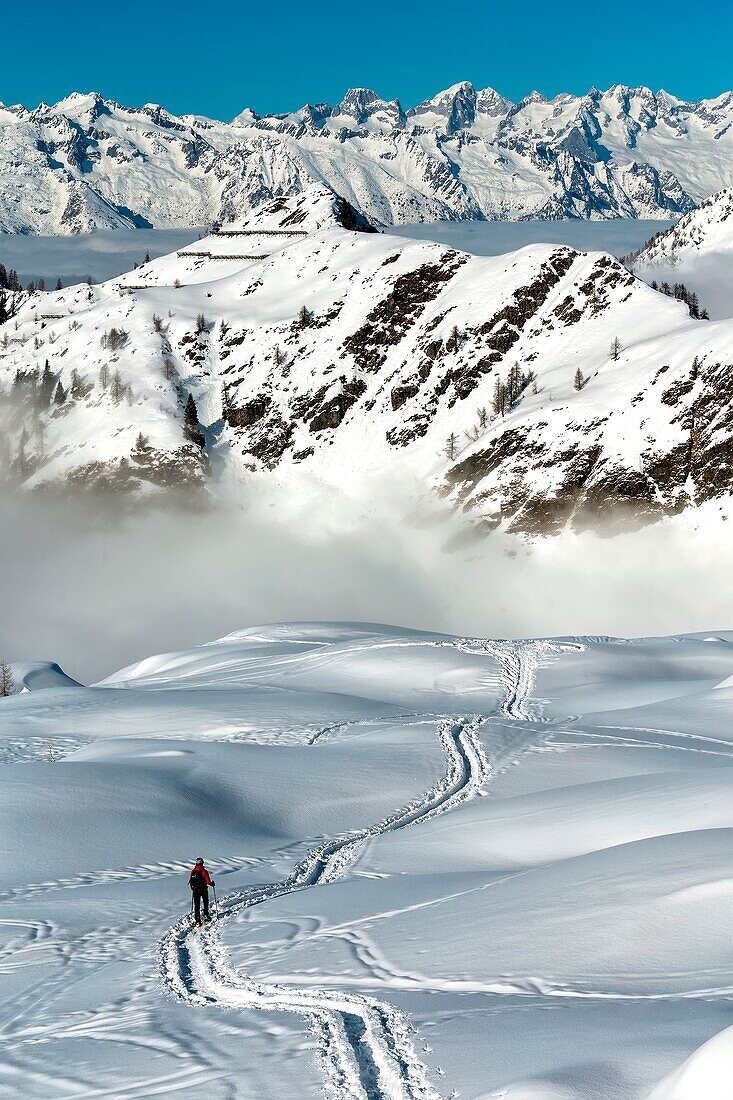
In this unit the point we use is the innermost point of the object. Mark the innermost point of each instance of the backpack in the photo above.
(196, 880)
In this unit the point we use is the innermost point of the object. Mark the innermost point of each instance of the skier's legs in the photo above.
(205, 897)
(197, 905)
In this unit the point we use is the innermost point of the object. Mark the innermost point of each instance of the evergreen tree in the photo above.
(60, 394)
(104, 376)
(59, 284)
(450, 447)
(578, 381)
(305, 317)
(47, 386)
(191, 422)
(615, 349)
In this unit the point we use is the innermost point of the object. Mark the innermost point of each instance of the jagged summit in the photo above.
(89, 162)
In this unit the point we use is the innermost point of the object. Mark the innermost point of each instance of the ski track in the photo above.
(366, 1045)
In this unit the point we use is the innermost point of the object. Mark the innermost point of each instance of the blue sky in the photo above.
(216, 58)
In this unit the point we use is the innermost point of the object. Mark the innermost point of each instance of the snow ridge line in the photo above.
(367, 1052)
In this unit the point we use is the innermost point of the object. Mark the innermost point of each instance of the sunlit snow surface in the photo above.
(523, 852)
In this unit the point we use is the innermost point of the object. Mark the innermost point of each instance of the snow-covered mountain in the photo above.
(707, 229)
(697, 251)
(533, 389)
(87, 162)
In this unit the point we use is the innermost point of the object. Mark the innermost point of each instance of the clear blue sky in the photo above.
(217, 58)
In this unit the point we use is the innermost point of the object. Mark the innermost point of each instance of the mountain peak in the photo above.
(363, 103)
(456, 104)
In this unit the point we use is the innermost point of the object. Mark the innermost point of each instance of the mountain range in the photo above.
(88, 162)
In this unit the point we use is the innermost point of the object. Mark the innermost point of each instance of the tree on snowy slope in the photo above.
(117, 388)
(47, 386)
(578, 381)
(191, 428)
(305, 317)
(7, 683)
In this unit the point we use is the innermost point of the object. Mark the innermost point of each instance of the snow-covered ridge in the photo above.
(530, 390)
(708, 229)
(87, 162)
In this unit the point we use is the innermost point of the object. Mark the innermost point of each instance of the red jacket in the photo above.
(207, 878)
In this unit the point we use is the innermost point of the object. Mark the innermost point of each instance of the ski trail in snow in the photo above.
(366, 1045)
(518, 663)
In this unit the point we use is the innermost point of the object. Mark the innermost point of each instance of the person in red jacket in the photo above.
(199, 880)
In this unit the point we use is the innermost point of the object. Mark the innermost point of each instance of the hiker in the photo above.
(199, 880)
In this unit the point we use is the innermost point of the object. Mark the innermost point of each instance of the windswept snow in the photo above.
(445, 866)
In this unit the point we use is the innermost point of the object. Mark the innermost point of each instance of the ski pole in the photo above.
(216, 903)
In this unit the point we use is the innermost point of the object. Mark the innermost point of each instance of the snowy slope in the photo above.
(697, 251)
(445, 867)
(337, 357)
(87, 162)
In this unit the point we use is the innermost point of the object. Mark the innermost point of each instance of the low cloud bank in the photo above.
(95, 584)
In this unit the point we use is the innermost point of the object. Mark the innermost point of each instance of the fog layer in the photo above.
(95, 587)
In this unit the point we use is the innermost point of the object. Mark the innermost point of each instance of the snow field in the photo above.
(564, 936)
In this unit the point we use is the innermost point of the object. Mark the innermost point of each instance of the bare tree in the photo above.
(615, 349)
(117, 388)
(104, 376)
(450, 446)
(7, 683)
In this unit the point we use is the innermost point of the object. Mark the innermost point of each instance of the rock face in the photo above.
(527, 391)
(87, 162)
